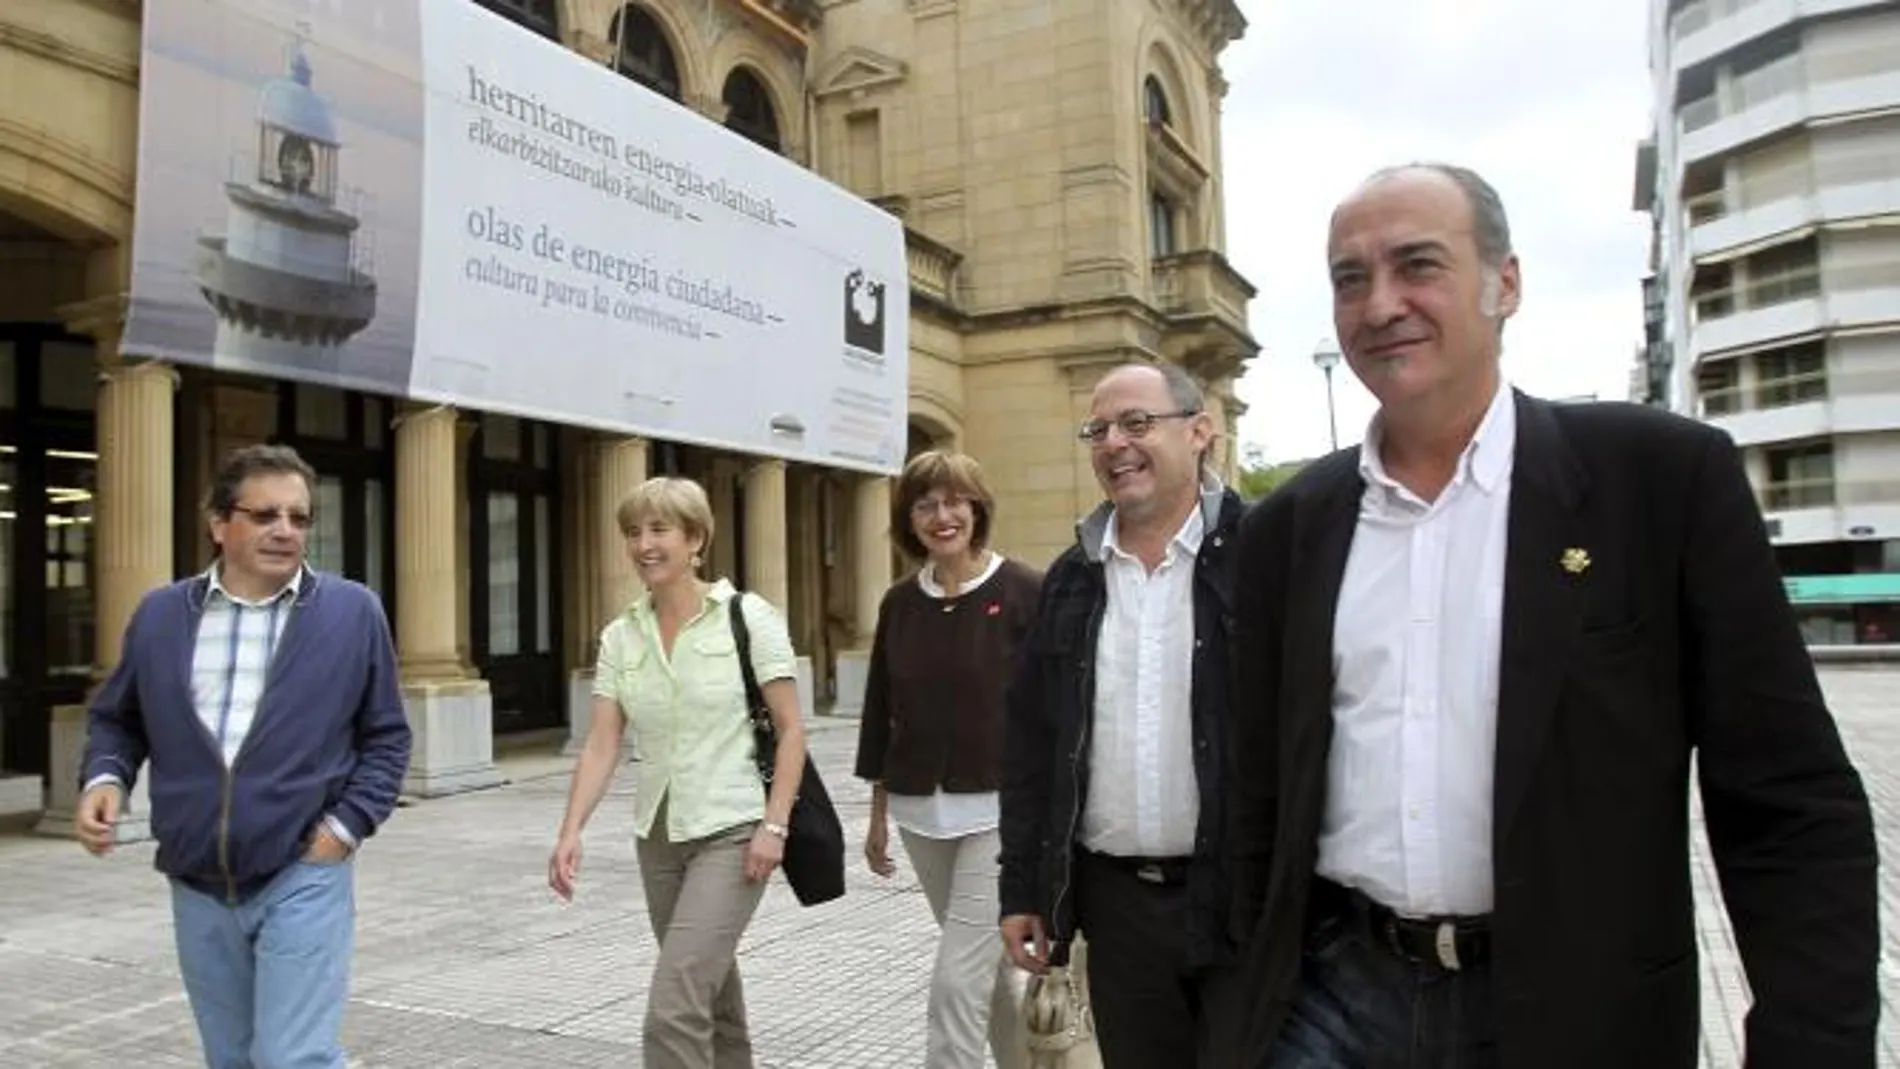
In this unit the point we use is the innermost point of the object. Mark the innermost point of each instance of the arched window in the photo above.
(536, 15)
(1154, 101)
(749, 110)
(642, 53)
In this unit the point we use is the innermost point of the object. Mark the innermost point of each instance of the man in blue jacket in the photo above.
(266, 697)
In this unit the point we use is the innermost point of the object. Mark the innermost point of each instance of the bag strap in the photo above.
(742, 638)
(764, 734)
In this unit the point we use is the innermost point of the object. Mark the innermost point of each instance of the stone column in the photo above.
(425, 544)
(766, 557)
(451, 715)
(133, 510)
(768, 554)
(132, 531)
(871, 531)
(619, 465)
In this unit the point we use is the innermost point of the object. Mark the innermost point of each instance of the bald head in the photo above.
(1183, 392)
(1485, 218)
(1148, 429)
(1423, 282)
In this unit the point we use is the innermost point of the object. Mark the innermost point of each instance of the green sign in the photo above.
(1843, 589)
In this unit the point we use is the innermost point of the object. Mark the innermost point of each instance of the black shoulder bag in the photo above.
(814, 847)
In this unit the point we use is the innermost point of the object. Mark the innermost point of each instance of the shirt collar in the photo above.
(1187, 540)
(718, 593)
(927, 576)
(289, 590)
(1486, 459)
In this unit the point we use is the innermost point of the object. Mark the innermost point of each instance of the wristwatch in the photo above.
(779, 830)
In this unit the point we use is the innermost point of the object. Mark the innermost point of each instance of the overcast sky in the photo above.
(1546, 100)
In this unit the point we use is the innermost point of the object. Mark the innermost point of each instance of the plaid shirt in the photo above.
(236, 641)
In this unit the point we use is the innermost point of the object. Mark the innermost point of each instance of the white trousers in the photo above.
(975, 993)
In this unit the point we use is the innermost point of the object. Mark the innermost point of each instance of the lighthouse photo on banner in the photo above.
(277, 216)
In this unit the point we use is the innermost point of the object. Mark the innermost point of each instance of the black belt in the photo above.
(1161, 871)
(1451, 943)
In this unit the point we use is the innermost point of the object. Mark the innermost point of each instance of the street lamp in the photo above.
(1326, 357)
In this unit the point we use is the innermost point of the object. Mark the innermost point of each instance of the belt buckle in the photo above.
(1151, 872)
(1446, 943)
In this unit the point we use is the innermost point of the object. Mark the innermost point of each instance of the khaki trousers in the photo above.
(699, 903)
(975, 993)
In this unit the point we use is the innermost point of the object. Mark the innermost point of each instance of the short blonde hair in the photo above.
(671, 499)
(940, 469)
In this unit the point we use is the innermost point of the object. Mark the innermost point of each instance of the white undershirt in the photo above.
(1415, 661)
(1143, 799)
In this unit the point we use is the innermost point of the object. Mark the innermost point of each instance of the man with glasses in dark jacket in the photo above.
(266, 697)
(1113, 754)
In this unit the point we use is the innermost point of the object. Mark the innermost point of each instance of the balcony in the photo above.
(933, 268)
(1798, 407)
(1796, 494)
(933, 265)
(1205, 299)
(1787, 93)
(1792, 304)
(1201, 283)
(1830, 510)
(1786, 203)
(1706, 29)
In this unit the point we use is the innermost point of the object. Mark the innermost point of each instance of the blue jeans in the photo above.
(1362, 1006)
(268, 978)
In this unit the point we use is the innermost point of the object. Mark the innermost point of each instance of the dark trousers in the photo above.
(1152, 1011)
(1362, 1004)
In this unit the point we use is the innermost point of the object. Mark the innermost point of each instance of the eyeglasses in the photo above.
(269, 517)
(925, 506)
(1135, 424)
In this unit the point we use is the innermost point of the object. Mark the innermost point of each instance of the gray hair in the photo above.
(1490, 227)
(1182, 389)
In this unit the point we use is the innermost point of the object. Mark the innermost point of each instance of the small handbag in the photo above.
(814, 845)
(1057, 1020)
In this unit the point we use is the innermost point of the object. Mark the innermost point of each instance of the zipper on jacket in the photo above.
(229, 788)
(224, 835)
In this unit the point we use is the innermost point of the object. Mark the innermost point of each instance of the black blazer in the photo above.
(1675, 640)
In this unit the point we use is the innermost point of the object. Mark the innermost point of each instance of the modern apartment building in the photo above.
(1057, 173)
(1773, 177)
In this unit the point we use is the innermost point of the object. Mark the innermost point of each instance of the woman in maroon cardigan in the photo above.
(931, 743)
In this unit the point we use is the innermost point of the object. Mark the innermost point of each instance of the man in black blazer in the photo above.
(1474, 660)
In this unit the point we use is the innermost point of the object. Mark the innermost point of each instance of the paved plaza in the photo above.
(465, 958)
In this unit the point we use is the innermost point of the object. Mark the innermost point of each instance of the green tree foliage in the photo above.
(1258, 478)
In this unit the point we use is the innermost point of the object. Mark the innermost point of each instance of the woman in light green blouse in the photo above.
(707, 834)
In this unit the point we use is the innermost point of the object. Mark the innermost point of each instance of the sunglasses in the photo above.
(268, 517)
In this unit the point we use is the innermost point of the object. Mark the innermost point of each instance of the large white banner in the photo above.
(419, 197)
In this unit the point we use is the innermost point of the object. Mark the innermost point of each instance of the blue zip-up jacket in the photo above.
(330, 736)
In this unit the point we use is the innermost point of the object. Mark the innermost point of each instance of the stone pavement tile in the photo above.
(56, 1005)
(464, 958)
(1866, 704)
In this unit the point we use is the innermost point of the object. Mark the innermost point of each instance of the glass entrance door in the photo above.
(514, 622)
(345, 437)
(47, 571)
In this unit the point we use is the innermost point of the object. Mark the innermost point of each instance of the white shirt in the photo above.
(1142, 798)
(1415, 663)
(948, 814)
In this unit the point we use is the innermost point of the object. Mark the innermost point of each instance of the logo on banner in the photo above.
(864, 313)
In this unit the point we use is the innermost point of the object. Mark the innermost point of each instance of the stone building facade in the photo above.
(1057, 167)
